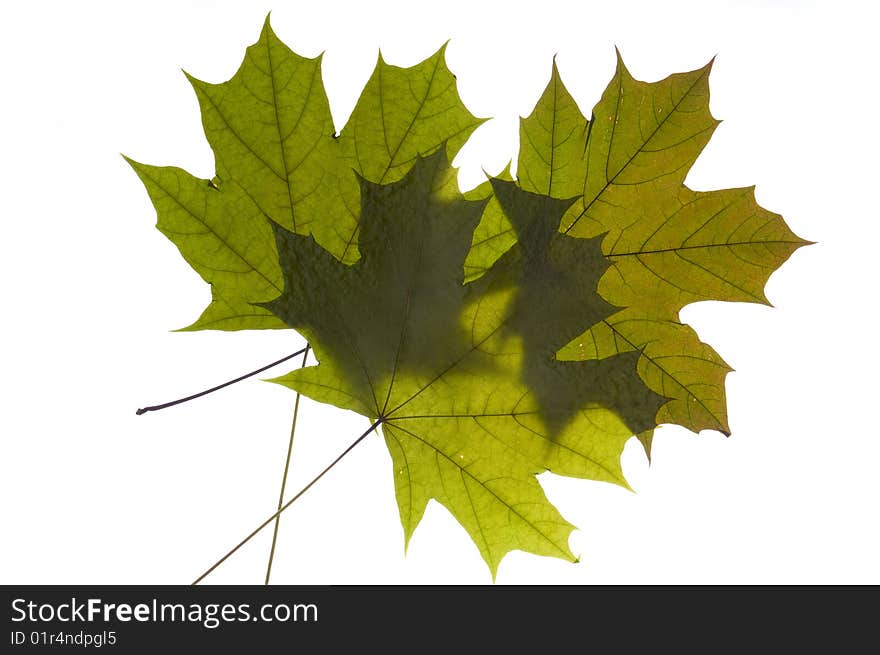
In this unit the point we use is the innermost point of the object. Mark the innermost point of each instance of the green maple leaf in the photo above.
(279, 158)
(464, 379)
(668, 245)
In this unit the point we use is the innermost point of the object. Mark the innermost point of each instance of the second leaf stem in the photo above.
(286, 470)
(290, 502)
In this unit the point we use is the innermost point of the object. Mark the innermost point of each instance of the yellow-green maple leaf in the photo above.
(668, 245)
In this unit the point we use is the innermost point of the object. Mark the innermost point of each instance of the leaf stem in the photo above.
(320, 475)
(286, 470)
(154, 408)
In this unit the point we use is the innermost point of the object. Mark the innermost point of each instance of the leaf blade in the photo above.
(474, 408)
(225, 238)
(669, 246)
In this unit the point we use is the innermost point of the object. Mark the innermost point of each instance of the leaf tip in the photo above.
(504, 175)
(136, 166)
(267, 23)
(722, 425)
(762, 299)
(195, 82)
(621, 68)
(646, 439)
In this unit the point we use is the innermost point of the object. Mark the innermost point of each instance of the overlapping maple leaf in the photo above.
(472, 400)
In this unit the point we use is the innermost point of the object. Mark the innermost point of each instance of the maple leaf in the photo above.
(278, 157)
(668, 245)
(463, 378)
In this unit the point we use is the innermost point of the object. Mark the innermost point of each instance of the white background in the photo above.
(92, 493)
